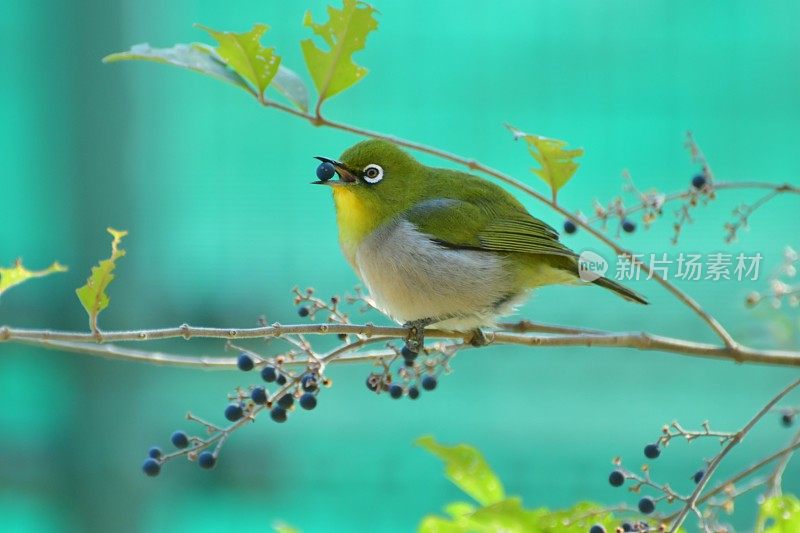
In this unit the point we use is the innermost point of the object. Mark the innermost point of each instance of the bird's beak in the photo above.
(345, 174)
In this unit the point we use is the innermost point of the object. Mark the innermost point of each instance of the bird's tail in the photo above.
(625, 292)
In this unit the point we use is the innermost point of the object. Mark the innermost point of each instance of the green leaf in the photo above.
(16, 274)
(557, 164)
(93, 295)
(290, 85)
(779, 514)
(345, 33)
(466, 467)
(510, 516)
(243, 53)
(197, 57)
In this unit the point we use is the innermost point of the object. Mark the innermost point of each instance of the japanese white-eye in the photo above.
(438, 246)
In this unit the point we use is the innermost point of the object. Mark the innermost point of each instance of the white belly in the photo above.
(412, 278)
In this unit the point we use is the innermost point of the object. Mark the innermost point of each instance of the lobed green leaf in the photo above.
(93, 295)
(17, 274)
(345, 33)
(557, 164)
(245, 55)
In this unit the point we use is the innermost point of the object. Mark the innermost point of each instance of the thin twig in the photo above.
(775, 479)
(692, 501)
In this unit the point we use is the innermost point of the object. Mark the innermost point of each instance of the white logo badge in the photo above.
(591, 266)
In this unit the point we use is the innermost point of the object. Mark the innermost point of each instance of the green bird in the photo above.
(440, 247)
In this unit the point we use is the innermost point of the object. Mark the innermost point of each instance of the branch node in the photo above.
(186, 331)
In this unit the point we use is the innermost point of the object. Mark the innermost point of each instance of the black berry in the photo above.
(154, 452)
(308, 401)
(278, 414)
(413, 392)
(244, 362)
(570, 227)
(281, 379)
(626, 526)
(429, 383)
(597, 528)
(342, 336)
(234, 412)
(395, 391)
(647, 505)
(787, 419)
(698, 476)
(286, 401)
(309, 383)
(179, 439)
(699, 181)
(259, 395)
(269, 373)
(325, 171)
(616, 478)
(408, 354)
(151, 467)
(628, 226)
(206, 460)
(303, 311)
(651, 451)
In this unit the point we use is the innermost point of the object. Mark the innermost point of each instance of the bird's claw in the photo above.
(415, 341)
(479, 338)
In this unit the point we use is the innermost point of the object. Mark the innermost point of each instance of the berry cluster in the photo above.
(281, 390)
(301, 388)
(418, 371)
(651, 203)
(647, 504)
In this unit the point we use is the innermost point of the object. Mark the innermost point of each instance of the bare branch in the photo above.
(83, 342)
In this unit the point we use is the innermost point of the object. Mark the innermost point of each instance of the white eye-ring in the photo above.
(373, 173)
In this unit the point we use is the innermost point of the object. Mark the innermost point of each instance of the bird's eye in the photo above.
(373, 173)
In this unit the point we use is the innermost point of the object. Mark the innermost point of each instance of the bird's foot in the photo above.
(479, 338)
(415, 341)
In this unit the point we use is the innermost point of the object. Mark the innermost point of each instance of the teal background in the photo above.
(214, 191)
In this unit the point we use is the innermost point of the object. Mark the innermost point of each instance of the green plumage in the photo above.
(413, 204)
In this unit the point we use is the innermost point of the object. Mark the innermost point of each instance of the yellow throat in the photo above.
(355, 221)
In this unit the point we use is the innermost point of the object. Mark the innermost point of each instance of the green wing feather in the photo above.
(469, 222)
(461, 224)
